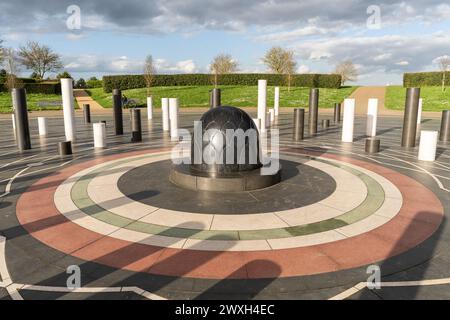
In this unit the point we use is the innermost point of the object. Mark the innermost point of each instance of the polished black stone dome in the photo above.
(216, 141)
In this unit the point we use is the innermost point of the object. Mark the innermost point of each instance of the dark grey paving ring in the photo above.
(300, 185)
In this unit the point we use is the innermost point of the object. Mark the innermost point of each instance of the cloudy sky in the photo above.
(383, 38)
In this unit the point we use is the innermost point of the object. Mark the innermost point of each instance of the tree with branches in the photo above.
(347, 70)
(281, 61)
(444, 65)
(1, 52)
(149, 73)
(222, 64)
(12, 67)
(39, 58)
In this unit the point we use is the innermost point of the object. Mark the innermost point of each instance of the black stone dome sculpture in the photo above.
(217, 141)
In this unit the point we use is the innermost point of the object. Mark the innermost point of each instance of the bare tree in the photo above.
(1, 52)
(281, 61)
(289, 66)
(444, 64)
(39, 58)
(12, 66)
(347, 70)
(149, 73)
(222, 64)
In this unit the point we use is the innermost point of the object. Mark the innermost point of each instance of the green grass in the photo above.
(32, 100)
(239, 96)
(433, 98)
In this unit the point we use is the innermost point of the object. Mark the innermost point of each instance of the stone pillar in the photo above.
(410, 117)
(262, 103)
(299, 124)
(428, 145)
(42, 126)
(268, 120)
(349, 118)
(372, 145)
(276, 103)
(68, 108)
(313, 110)
(136, 129)
(118, 117)
(372, 114)
(173, 115)
(337, 112)
(215, 98)
(149, 108)
(272, 114)
(87, 113)
(165, 113)
(13, 120)
(325, 123)
(445, 126)
(65, 148)
(22, 129)
(99, 135)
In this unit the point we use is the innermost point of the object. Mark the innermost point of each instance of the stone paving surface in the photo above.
(32, 262)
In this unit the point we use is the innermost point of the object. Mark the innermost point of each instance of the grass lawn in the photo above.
(433, 98)
(238, 96)
(32, 100)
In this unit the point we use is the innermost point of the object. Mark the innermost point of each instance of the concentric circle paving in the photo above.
(87, 215)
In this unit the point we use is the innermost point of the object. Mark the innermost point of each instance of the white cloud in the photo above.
(303, 69)
(402, 63)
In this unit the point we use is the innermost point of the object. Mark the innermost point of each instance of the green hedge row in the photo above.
(242, 79)
(43, 88)
(424, 79)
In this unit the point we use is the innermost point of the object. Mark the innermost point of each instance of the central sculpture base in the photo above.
(186, 177)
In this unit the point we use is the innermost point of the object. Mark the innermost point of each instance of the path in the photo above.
(362, 96)
(82, 97)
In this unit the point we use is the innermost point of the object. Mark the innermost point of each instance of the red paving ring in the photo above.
(420, 216)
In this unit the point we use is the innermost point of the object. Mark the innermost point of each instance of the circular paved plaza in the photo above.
(135, 235)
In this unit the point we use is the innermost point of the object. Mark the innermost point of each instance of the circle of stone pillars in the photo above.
(165, 113)
(99, 135)
(348, 121)
(117, 106)
(173, 116)
(445, 126)
(276, 103)
(262, 104)
(20, 120)
(149, 108)
(410, 117)
(68, 108)
(372, 114)
(87, 113)
(428, 145)
(42, 126)
(299, 124)
(136, 128)
(337, 112)
(313, 110)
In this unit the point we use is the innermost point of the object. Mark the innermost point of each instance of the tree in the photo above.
(93, 79)
(222, 64)
(149, 73)
(1, 52)
(39, 58)
(11, 63)
(347, 70)
(444, 64)
(63, 75)
(290, 65)
(80, 84)
(281, 61)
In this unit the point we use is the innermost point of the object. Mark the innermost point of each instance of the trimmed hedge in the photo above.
(44, 88)
(125, 82)
(424, 79)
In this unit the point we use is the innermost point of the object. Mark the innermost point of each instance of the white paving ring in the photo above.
(65, 205)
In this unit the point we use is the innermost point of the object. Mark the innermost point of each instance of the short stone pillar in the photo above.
(272, 114)
(299, 124)
(325, 123)
(262, 103)
(22, 129)
(276, 103)
(268, 123)
(372, 114)
(173, 116)
(349, 119)
(87, 113)
(65, 148)
(149, 108)
(410, 117)
(372, 145)
(68, 108)
(313, 110)
(99, 135)
(337, 112)
(165, 114)
(215, 98)
(444, 133)
(117, 106)
(136, 128)
(42, 126)
(428, 145)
